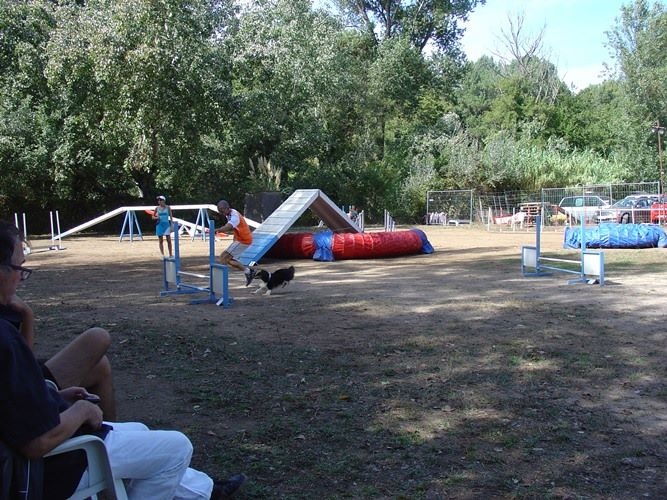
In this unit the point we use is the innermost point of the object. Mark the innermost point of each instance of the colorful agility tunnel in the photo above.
(617, 236)
(328, 246)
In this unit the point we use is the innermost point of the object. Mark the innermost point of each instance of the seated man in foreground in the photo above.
(35, 418)
(82, 362)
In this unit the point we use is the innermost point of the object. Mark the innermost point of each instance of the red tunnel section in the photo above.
(350, 245)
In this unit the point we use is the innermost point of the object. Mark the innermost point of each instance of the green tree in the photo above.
(138, 86)
(25, 138)
(120, 99)
(640, 46)
(401, 79)
(297, 92)
(434, 22)
(528, 91)
(524, 104)
(478, 89)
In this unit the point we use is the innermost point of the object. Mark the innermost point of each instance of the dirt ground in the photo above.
(428, 376)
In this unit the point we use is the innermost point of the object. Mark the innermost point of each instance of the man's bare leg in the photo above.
(228, 260)
(83, 363)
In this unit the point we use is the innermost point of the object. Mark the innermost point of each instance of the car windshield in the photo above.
(626, 202)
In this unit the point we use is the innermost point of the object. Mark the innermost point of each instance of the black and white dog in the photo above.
(271, 280)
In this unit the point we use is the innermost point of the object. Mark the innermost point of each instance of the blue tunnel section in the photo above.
(617, 236)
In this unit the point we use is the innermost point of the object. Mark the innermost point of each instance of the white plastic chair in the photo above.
(98, 472)
(100, 477)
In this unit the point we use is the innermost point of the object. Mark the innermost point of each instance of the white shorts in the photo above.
(235, 249)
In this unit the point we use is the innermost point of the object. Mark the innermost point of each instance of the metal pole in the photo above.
(53, 234)
(211, 243)
(428, 206)
(538, 234)
(58, 228)
(660, 131)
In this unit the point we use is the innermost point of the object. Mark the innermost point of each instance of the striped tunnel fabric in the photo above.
(328, 246)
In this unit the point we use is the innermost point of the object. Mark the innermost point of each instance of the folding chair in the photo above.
(99, 475)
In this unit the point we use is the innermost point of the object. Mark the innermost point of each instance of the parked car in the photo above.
(587, 205)
(634, 209)
(659, 211)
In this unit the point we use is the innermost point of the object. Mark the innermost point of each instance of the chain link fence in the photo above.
(557, 207)
(452, 207)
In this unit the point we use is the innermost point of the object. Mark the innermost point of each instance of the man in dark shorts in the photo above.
(82, 362)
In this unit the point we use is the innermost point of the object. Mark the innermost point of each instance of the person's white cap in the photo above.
(161, 198)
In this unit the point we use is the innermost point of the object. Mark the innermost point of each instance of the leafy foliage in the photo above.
(105, 102)
(427, 22)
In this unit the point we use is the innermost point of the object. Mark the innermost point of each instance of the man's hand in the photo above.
(73, 394)
(91, 413)
(27, 329)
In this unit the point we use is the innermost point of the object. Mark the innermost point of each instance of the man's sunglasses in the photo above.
(25, 272)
